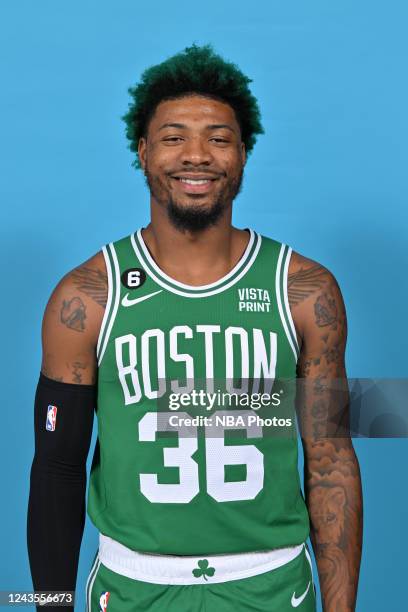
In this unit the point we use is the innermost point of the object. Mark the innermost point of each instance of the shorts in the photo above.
(283, 589)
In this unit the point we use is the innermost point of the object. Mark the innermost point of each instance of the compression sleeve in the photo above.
(63, 419)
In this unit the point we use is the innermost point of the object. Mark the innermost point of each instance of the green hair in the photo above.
(196, 70)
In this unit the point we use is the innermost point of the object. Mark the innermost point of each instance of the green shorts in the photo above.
(284, 589)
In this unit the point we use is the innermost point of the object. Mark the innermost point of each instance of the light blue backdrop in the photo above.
(328, 177)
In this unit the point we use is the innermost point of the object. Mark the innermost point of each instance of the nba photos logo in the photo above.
(103, 601)
(51, 418)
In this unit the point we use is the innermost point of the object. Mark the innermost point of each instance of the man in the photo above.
(156, 327)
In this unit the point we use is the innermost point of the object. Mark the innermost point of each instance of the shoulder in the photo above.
(90, 279)
(308, 277)
(72, 322)
(86, 282)
(305, 277)
(314, 294)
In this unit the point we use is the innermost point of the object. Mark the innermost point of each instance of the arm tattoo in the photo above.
(332, 476)
(73, 314)
(77, 366)
(334, 499)
(304, 282)
(333, 494)
(74, 370)
(92, 282)
(325, 310)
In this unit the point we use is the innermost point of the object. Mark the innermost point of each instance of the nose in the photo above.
(196, 151)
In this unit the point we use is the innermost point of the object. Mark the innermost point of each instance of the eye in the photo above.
(219, 140)
(172, 139)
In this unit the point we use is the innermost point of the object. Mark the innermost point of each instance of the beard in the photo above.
(193, 216)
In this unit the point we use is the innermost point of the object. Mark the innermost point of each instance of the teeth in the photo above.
(195, 181)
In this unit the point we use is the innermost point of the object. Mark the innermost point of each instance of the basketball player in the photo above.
(150, 331)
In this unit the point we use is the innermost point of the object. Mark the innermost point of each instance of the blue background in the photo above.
(328, 177)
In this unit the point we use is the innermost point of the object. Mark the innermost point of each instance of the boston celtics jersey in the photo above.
(197, 444)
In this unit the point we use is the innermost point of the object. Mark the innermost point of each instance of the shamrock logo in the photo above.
(203, 569)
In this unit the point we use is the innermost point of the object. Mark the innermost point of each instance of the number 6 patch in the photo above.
(133, 278)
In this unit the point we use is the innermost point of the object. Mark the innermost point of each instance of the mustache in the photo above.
(196, 170)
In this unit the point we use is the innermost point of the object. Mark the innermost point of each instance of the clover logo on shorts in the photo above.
(203, 569)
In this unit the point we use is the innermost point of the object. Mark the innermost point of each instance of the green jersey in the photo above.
(197, 444)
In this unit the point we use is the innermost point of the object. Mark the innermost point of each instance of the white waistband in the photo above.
(175, 569)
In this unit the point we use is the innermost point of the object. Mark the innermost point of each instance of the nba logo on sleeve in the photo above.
(103, 601)
(51, 418)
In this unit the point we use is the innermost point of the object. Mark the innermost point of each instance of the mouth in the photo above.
(194, 183)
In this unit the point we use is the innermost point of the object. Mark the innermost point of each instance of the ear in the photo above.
(141, 150)
(243, 154)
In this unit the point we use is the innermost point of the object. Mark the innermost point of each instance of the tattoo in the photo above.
(77, 366)
(303, 283)
(332, 477)
(319, 410)
(307, 364)
(335, 507)
(73, 314)
(332, 355)
(332, 486)
(325, 310)
(92, 282)
(319, 386)
(48, 373)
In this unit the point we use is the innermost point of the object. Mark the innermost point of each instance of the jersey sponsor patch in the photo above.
(133, 278)
(51, 418)
(103, 601)
(253, 299)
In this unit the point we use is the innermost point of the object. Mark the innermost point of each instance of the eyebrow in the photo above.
(213, 126)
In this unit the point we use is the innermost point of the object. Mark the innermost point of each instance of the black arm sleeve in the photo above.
(56, 507)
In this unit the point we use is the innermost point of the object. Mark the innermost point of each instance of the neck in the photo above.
(194, 258)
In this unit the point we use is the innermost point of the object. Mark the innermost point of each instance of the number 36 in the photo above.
(218, 455)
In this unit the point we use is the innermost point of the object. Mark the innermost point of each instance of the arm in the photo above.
(332, 475)
(56, 508)
(71, 324)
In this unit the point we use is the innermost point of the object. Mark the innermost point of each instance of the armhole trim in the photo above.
(286, 301)
(112, 267)
(282, 297)
(108, 302)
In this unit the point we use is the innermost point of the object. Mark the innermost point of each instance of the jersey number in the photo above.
(218, 455)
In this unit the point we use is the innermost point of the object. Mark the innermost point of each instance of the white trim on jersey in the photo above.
(199, 293)
(310, 560)
(279, 299)
(308, 557)
(108, 302)
(116, 304)
(215, 284)
(90, 582)
(178, 569)
(286, 299)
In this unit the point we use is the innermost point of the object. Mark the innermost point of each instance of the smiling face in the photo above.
(193, 159)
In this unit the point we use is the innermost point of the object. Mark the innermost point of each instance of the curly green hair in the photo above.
(196, 70)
